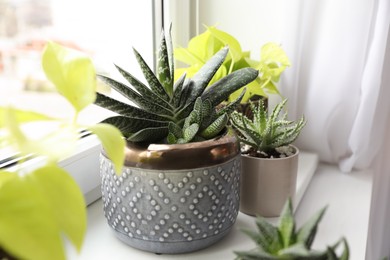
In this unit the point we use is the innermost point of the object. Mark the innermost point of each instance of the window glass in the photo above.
(105, 29)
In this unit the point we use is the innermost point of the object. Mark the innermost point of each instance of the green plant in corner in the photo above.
(267, 134)
(273, 61)
(40, 207)
(168, 112)
(285, 242)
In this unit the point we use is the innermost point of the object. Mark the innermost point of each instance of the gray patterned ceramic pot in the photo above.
(174, 198)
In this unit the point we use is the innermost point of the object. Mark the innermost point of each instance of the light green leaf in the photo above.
(287, 225)
(65, 200)
(22, 116)
(227, 39)
(202, 46)
(113, 143)
(72, 73)
(273, 53)
(28, 227)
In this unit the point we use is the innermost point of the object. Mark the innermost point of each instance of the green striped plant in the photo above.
(266, 134)
(287, 242)
(173, 112)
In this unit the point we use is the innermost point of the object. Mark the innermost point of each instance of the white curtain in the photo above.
(340, 81)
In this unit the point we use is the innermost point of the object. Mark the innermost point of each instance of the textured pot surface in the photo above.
(176, 209)
(266, 184)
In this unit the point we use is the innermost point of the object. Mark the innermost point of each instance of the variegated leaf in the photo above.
(215, 128)
(145, 91)
(221, 89)
(130, 125)
(202, 78)
(152, 134)
(153, 81)
(146, 104)
(125, 109)
(163, 66)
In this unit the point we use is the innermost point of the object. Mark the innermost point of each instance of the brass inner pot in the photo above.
(182, 156)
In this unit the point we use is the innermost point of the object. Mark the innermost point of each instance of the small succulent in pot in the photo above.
(285, 242)
(168, 112)
(267, 135)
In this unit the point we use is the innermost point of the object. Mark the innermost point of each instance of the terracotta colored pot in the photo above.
(266, 184)
(174, 198)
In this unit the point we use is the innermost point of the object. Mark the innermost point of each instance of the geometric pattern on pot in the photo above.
(171, 211)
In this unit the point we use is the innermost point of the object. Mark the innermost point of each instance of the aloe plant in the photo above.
(266, 134)
(273, 61)
(285, 242)
(165, 111)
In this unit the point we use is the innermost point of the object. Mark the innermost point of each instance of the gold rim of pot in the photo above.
(182, 156)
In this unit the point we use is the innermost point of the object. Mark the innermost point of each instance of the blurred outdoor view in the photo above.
(106, 30)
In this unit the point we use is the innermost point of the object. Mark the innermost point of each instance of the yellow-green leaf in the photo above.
(22, 116)
(72, 73)
(65, 200)
(113, 143)
(227, 39)
(273, 53)
(28, 229)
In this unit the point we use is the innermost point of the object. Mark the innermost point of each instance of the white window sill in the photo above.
(348, 197)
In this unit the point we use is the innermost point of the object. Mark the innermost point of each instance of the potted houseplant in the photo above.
(269, 161)
(287, 242)
(179, 189)
(273, 61)
(42, 206)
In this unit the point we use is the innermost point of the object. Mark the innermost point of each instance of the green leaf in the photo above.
(175, 130)
(22, 116)
(150, 134)
(227, 39)
(72, 73)
(113, 143)
(164, 68)
(269, 238)
(36, 210)
(190, 132)
(142, 101)
(254, 255)
(54, 146)
(287, 224)
(153, 81)
(28, 228)
(129, 125)
(65, 200)
(215, 127)
(125, 109)
(202, 78)
(307, 232)
(221, 90)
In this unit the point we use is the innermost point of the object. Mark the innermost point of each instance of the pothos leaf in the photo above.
(72, 73)
(113, 143)
(36, 209)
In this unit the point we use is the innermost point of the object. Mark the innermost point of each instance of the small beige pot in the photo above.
(266, 184)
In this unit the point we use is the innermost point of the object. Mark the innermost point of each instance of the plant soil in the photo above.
(280, 152)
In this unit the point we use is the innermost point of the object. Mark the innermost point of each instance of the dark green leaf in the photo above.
(146, 104)
(202, 78)
(177, 90)
(215, 127)
(190, 132)
(221, 89)
(152, 134)
(307, 232)
(163, 66)
(154, 83)
(141, 88)
(125, 109)
(287, 224)
(175, 130)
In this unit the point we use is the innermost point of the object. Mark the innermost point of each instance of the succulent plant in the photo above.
(284, 242)
(266, 134)
(165, 111)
